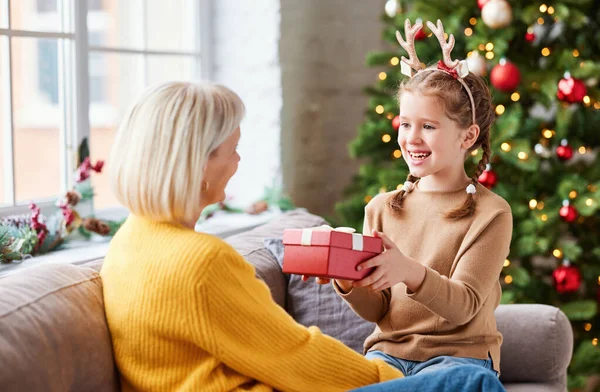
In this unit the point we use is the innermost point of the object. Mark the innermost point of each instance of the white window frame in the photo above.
(74, 94)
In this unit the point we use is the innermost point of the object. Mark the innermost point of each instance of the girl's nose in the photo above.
(413, 137)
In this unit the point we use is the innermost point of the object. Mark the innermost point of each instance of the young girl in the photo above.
(434, 289)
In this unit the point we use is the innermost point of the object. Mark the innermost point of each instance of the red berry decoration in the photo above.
(488, 178)
(567, 212)
(571, 90)
(396, 122)
(566, 278)
(481, 3)
(505, 76)
(564, 152)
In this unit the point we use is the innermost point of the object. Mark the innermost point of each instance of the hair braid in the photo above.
(468, 207)
(395, 202)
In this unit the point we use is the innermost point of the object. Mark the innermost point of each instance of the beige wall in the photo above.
(322, 52)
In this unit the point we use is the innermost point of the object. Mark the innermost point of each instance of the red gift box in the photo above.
(328, 253)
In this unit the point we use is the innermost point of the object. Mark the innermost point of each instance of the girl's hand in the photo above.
(391, 268)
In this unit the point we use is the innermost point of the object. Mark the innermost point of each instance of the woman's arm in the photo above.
(240, 325)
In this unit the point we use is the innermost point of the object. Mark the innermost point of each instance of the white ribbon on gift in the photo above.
(357, 239)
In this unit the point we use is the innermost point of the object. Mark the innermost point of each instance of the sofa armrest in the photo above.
(537, 344)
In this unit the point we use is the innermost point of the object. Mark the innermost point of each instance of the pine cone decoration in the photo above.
(73, 197)
(96, 226)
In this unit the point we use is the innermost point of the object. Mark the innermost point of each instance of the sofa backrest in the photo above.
(54, 333)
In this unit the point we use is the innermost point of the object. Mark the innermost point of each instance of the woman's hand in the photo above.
(318, 280)
(345, 285)
(391, 268)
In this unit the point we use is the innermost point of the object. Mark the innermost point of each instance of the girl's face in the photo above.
(221, 166)
(431, 143)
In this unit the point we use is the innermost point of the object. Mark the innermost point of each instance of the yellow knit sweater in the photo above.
(186, 313)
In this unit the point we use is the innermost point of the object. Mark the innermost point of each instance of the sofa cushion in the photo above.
(307, 302)
(95, 264)
(54, 333)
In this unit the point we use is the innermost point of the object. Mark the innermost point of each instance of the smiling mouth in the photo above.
(419, 156)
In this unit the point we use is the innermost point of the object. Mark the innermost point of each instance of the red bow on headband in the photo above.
(441, 65)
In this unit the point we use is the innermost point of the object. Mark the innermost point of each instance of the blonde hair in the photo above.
(453, 97)
(163, 145)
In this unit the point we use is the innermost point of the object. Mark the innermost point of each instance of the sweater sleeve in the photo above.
(240, 325)
(368, 304)
(458, 298)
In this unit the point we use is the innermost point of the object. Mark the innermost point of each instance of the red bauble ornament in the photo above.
(571, 90)
(566, 278)
(488, 178)
(481, 3)
(505, 76)
(529, 37)
(564, 152)
(420, 35)
(568, 213)
(396, 123)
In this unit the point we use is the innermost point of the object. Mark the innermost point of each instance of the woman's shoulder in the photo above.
(164, 241)
(210, 245)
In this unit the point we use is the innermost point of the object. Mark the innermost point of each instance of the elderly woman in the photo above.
(185, 311)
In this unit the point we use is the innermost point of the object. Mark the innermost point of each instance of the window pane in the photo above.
(116, 88)
(37, 117)
(3, 14)
(172, 25)
(4, 120)
(164, 68)
(37, 15)
(120, 22)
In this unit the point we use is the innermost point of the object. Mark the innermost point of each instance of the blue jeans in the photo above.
(462, 378)
(410, 368)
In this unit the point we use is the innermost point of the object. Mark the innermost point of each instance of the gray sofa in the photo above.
(55, 338)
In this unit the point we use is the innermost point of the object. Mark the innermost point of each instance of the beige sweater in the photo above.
(452, 313)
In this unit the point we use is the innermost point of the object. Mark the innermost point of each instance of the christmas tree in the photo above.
(542, 61)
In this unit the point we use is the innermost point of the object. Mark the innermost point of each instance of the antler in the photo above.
(446, 46)
(409, 44)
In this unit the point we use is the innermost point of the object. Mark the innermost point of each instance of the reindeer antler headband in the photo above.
(455, 68)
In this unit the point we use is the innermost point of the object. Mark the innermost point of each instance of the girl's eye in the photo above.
(404, 125)
(428, 127)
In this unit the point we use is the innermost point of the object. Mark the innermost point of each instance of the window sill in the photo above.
(222, 225)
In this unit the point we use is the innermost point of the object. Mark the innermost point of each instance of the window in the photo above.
(47, 6)
(68, 71)
(48, 70)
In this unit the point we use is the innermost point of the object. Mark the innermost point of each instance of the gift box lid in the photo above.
(332, 238)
